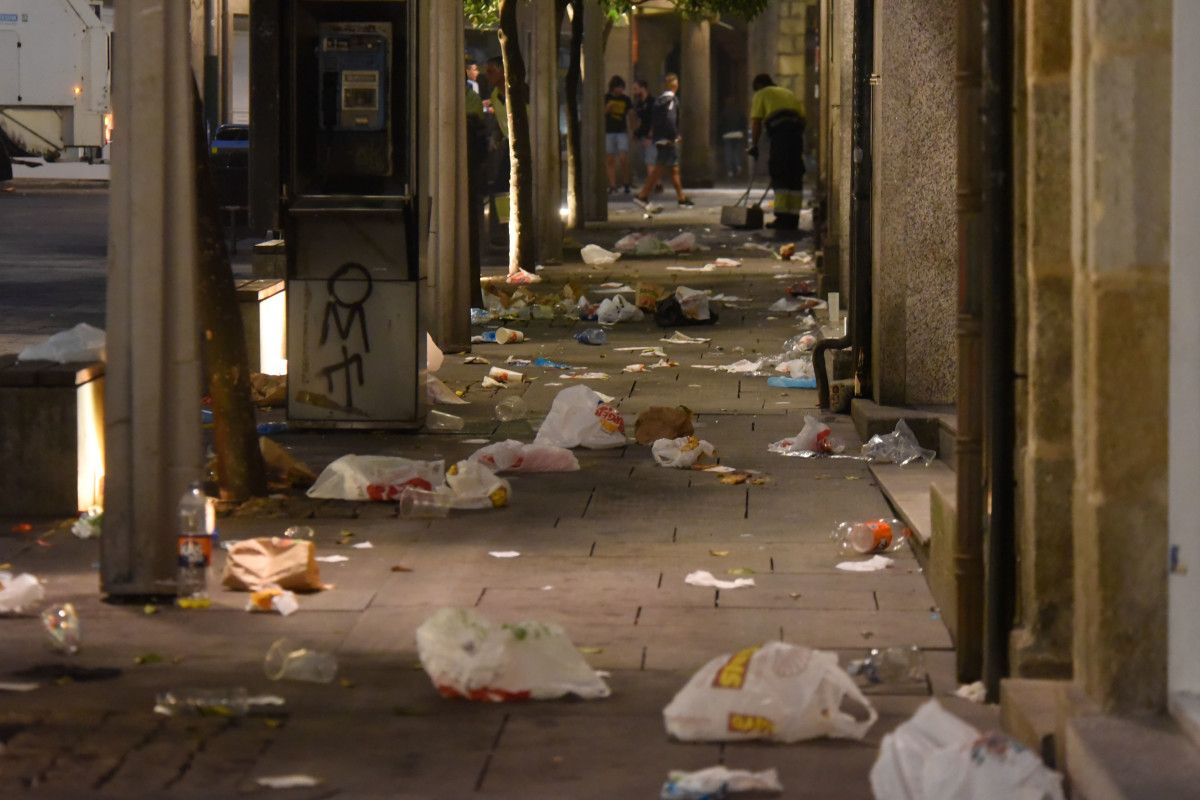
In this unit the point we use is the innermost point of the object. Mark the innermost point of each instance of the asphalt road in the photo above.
(53, 247)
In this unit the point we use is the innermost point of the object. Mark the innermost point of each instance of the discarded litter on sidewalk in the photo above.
(872, 564)
(683, 338)
(272, 562)
(505, 375)
(579, 418)
(594, 254)
(681, 453)
(815, 438)
(378, 478)
(467, 656)
(898, 447)
(81, 343)
(663, 422)
(784, 693)
(439, 393)
(61, 623)
(870, 536)
(474, 486)
(289, 660)
(975, 692)
(891, 667)
(592, 336)
(281, 601)
(514, 456)
(287, 781)
(718, 782)
(19, 593)
(511, 409)
(702, 577)
(934, 754)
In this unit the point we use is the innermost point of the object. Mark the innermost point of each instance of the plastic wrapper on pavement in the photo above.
(468, 656)
(254, 564)
(815, 438)
(617, 309)
(19, 593)
(475, 486)
(777, 692)
(81, 343)
(595, 254)
(937, 756)
(717, 782)
(515, 456)
(378, 478)
(898, 447)
(682, 453)
(580, 418)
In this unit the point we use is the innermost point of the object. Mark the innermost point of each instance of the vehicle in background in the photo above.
(55, 77)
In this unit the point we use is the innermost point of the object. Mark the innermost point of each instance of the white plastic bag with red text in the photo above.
(580, 418)
(375, 477)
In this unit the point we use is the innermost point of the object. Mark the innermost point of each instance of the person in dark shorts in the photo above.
(618, 124)
(643, 109)
(664, 128)
(778, 111)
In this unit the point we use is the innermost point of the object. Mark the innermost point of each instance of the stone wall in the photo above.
(915, 247)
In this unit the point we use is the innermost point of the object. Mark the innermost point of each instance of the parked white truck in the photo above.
(55, 58)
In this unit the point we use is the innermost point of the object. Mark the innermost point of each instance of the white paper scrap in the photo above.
(872, 564)
(332, 559)
(704, 578)
(503, 553)
(363, 546)
(288, 781)
(683, 338)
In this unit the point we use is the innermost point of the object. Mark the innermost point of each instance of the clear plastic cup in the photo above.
(300, 532)
(511, 409)
(441, 421)
(62, 626)
(423, 504)
(288, 660)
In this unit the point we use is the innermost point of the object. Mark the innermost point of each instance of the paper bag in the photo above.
(255, 564)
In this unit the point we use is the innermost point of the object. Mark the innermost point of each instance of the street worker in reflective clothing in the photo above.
(782, 115)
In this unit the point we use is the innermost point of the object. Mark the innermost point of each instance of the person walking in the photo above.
(781, 114)
(618, 124)
(643, 109)
(664, 128)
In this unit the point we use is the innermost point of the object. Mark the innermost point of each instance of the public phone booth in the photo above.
(347, 126)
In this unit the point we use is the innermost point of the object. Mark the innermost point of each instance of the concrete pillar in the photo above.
(837, 50)
(442, 114)
(541, 55)
(591, 115)
(1041, 643)
(152, 399)
(1121, 179)
(915, 249)
(695, 103)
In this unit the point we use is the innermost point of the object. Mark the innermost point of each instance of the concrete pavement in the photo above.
(603, 552)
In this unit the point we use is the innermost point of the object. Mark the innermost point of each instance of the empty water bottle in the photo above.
(593, 336)
(892, 666)
(195, 548)
(872, 536)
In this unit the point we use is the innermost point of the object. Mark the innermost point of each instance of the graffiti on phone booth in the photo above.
(348, 289)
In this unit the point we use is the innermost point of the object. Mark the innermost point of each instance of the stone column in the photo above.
(695, 102)
(447, 262)
(1041, 643)
(152, 399)
(915, 251)
(591, 116)
(837, 50)
(1121, 179)
(542, 60)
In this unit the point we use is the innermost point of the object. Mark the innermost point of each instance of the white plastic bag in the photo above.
(681, 453)
(20, 592)
(650, 245)
(692, 302)
(465, 655)
(433, 354)
(473, 485)
(627, 243)
(617, 309)
(717, 781)
(354, 477)
(815, 438)
(579, 418)
(778, 692)
(595, 254)
(937, 756)
(81, 343)
(898, 447)
(683, 243)
(513, 456)
(797, 368)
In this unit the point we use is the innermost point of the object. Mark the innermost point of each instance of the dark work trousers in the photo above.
(786, 165)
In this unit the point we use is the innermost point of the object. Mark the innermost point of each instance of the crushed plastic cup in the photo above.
(291, 661)
(299, 532)
(891, 666)
(511, 409)
(62, 627)
(424, 504)
(441, 421)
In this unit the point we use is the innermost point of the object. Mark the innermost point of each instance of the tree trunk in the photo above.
(516, 97)
(240, 470)
(574, 145)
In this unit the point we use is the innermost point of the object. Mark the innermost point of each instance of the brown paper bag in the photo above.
(255, 564)
(663, 422)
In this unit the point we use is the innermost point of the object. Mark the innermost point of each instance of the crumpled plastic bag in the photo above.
(797, 368)
(681, 453)
(693, 303)
(627, 243)
(815, 438)
(472, 485)
(936, 756)
(716, 782)
(377, 478)
(433, 354)
(580, 418)
(683, 243)
(595, 254)
(441, 394)
(19, 592)
(466, 655)
(81, 343)
(898, 447)
(663, 422)
(617, 309)
(650, 245)
(271, 561)
(514, 456)
(778, 692)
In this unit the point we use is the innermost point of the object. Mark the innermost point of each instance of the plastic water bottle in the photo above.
(891, 666)
(872, 536)
(593, 336)
(195, 548)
